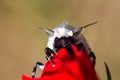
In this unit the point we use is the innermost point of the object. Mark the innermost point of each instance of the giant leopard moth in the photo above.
(62, 36)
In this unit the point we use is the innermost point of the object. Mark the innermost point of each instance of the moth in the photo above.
(62, 36)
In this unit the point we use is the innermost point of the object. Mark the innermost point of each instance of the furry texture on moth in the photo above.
(63, 36)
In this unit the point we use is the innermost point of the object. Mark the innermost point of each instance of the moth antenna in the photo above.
(49, 32)
(89, 24)
(37, 28)
(81, 28)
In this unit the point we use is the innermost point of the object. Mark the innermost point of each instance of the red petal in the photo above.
(66, 67)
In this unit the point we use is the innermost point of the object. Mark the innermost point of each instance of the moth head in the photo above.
(63, 30)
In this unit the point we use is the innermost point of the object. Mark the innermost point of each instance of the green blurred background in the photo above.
(21, 46)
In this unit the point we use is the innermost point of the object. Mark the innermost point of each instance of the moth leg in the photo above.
(38, 64)
(49, 53)
(80, 46)
(92, 57)
(91, 53)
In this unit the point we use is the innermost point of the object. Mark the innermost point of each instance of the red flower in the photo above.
(66, 67)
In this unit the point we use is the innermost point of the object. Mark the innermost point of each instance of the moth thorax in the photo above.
(62, 32)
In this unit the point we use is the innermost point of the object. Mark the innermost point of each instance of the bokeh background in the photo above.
(21, 46)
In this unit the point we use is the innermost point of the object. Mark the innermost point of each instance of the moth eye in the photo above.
(57, 43)
(69, 40)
